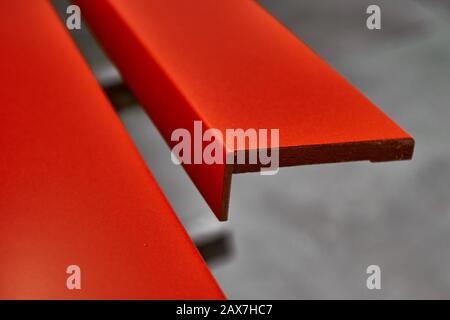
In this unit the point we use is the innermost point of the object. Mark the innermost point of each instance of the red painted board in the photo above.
(231, 64)
(73, 189)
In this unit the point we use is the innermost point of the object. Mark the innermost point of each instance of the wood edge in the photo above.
(373, 151)
(226, 190)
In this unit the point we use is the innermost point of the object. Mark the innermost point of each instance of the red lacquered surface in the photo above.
(73, 189)
(232, 65)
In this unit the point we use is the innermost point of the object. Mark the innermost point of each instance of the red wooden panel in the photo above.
(73, 189)
(230, 64)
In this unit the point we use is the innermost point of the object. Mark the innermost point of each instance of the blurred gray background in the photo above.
(311, 231)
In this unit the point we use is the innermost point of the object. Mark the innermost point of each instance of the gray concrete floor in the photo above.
(311, 232)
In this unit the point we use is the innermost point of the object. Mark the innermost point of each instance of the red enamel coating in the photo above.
(232, 65)
(73, 189)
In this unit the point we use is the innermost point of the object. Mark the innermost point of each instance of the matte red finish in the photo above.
(73, 189)
(232, 65)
